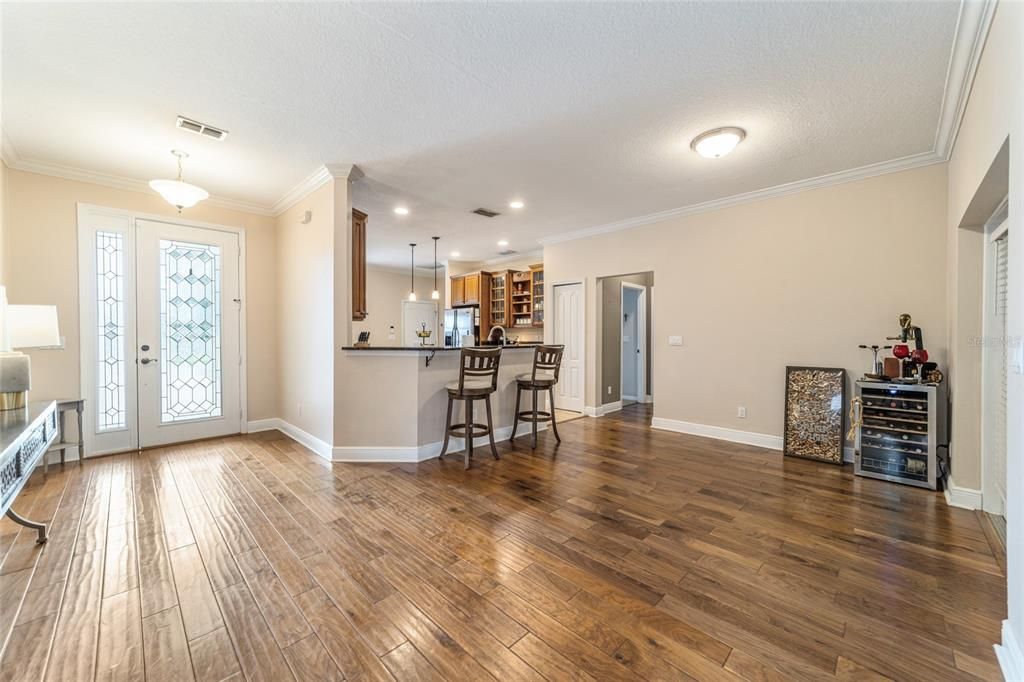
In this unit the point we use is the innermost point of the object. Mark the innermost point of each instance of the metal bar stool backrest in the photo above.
(479, 364)
(547, 360)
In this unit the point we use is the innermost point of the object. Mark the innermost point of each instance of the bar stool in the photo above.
(547, 360)
(478, 379)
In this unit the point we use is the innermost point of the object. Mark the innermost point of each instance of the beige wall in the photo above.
(385, 291)
(305, 267)
(609, 361)
(794, 280)
(41, 266)
(995, 113)
(988, 120)
(3, 215)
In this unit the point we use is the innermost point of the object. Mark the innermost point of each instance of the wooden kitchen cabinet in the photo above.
(458, 291)
(472, 288)
(358, 265)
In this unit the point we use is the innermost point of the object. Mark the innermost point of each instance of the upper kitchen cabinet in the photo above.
(469, 289)
(358, 265)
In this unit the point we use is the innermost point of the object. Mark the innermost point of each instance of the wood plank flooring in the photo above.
(625, 554)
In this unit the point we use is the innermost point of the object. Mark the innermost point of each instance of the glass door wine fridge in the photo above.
(899, 434)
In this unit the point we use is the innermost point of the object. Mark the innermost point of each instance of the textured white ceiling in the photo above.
(584, 110)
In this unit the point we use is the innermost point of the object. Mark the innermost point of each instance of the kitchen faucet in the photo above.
(498, 326)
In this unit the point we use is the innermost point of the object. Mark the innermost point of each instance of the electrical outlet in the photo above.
(609, 390)
(675, 340)
(741, 412)
(298, 408)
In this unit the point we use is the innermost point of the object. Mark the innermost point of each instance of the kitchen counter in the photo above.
(395, 405)
(514, 346)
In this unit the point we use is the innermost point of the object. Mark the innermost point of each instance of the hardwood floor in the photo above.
(627, 554)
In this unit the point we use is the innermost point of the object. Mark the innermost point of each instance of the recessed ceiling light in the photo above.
(516, 204)
(455, 254)
(718, 142)
(401, 210)
(503, 243)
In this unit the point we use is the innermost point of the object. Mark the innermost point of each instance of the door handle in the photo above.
(146, 361)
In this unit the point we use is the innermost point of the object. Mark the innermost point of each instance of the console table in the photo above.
(25, 436)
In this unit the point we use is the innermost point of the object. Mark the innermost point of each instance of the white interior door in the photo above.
(995, 361)
(568, 321)
(416, 316)
(630, 360)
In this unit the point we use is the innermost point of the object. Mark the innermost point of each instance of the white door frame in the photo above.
(995, 227)
(550, 296)
(641, 340)
(87, 300)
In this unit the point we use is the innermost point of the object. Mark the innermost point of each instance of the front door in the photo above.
(160, 315)
(187, 338)
(568, 321)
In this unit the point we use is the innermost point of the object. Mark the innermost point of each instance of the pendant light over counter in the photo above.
(435, 294)
(178, 193)
(412, 272)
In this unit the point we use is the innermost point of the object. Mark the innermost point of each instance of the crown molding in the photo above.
(854, 174)
(14, 161)
(313, 182)
(972, 29)
(307, 186)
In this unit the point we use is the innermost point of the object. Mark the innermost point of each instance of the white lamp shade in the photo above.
(32, 326)
(178, 193)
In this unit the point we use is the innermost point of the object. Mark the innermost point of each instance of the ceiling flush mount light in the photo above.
(717, 143)
(503, 243)
(516, 204)
(176, 192)
(455, 254)
(412, 272)
(401, 210)
(435, 294)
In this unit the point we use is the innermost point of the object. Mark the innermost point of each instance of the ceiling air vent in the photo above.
(486, 213)
(508, 252)
(201, 128)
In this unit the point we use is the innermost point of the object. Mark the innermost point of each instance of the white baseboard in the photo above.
(422, 453)
(382, 454)
(631, 397)
(1010, 654)
(258, 425)
(648, 398)
(294, 432)
(762, 440)
(602, 410)
(965, 498)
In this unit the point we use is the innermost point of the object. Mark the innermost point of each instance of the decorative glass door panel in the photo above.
(190, 334)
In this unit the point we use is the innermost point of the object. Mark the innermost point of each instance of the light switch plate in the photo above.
(675, 340)
(1018, 357)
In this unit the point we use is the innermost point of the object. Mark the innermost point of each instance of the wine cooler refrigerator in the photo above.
(899, 434)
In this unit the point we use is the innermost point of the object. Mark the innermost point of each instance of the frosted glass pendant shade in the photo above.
(179, 194)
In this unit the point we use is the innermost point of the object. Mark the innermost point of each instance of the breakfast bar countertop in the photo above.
(527, 344)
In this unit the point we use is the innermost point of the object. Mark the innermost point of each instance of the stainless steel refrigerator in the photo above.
(458, 323)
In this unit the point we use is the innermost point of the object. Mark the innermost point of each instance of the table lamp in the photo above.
(22, 326)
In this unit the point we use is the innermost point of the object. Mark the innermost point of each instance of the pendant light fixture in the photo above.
(176, 192)
(435, 294)
(412, 272)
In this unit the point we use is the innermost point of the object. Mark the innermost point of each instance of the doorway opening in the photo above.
(633, 363)
(625, 359)
(995, 367)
